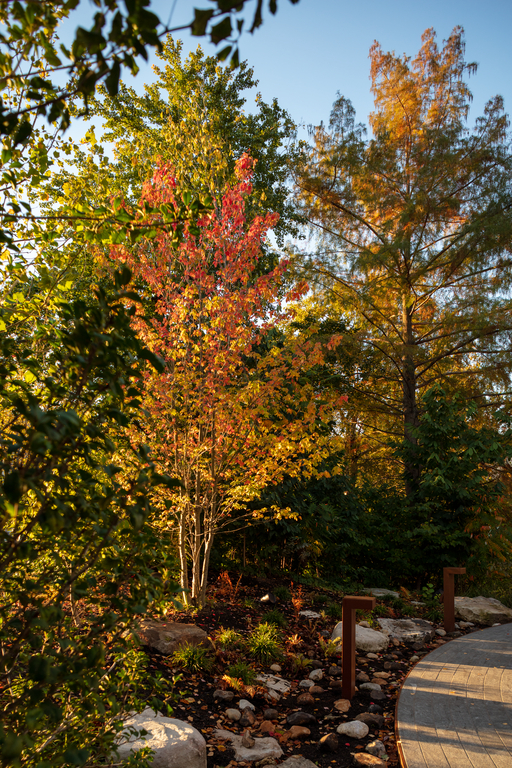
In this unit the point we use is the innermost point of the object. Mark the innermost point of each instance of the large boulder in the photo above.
(380, 592)
(408, 630)
(368, 640)
(167, 636)
(176, 744)
(482, 610)
(262, 748)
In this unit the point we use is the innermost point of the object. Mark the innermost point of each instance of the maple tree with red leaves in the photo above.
(232, 411)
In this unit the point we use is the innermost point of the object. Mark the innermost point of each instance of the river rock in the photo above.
(354, 729)
(223, 696)
(482, 610)
(297, 761)
(366, 639)
(316, 675)
(342, 705)
(299, 732)
(167, 636)
(408, 630)
(328, 743)
(244, 704)
(365, 760)
(263, 748)
(379, 592)
(376, 748)
(371, 719)
(300, 718)
(233, 714)
(174, 742)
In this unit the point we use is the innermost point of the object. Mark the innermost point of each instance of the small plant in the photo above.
(433, 609)
(293, 641)
(299, 663)
(319, 599)
(192, 657)
(297, 600)
(275, 617)
(228, 639)
(330, 647)
(382, 610)
(265, 643)
(248, 602)
(408, 610)
(243, 672)
(334, 610)
(282, 593)
(397, 603)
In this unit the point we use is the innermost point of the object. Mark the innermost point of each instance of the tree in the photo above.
(415, 232)
(231, 412)
(77, 559)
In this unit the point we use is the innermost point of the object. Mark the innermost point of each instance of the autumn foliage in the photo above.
(234, 409)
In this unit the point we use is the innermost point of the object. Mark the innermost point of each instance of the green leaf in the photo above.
(201, 19)
(221, 31)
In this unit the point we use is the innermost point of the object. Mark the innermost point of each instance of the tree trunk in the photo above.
(409, 404)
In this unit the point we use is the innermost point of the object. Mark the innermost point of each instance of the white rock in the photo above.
(274, 683)
(366, 639)
(275, 668)
(175, 744)
(414, 658)
(316, 675)
(441, 632)
(466, 624)
(355, 729)
(309, 614)
(371, 656)
(376, 748)
(370, 687)
(378, 592)
(306, 684)
(295, 761)
(233, 714)
(498, 624)
(407, 630)
(244, 704)
(263, 748)
(482, 610)
(364, 624)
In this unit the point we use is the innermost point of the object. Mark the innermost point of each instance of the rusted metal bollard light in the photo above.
(449, 596)
(348, 640)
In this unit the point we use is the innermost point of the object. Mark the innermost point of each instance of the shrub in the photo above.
(242, 671)
(265, 643)
(275, 617)
(192, 657)
(229, 638)
(334, 610)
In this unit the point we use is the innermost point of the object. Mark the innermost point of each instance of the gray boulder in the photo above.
(262, 748)
(167, 636)
(482, 610)
(408, 630)
(297, 761)
(378, 592)
(366, 639)
(176, 744)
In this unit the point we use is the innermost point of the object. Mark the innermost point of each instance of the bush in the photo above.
(275, 617)
(265, 643)
(229, 639)
(192, 657)
(243, 672)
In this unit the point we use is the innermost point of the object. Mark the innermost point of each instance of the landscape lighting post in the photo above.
(449, 596)
(348, 640)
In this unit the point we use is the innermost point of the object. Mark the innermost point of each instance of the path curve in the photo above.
(455, 708)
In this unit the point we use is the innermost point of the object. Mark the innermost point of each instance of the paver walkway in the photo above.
(455, 709)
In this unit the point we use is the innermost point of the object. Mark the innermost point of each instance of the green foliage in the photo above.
(264, 643)
(276, 618)
(192, 657)
(433, 609)
(242, 671)
(78, 560)
(299, 663)
(330, 648)
(282, 593)
(229, 639)
(334, 610)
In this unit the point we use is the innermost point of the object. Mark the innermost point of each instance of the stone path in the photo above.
(455, 709)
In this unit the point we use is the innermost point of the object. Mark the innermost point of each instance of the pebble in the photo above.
(315, 664)
(305, 699)
(342, 705)
(316, 675)
(306, 684)
(299, 732)
(335, 685)
(365, 760)
(362, 677)
(441, 632)
(393, 665)
(355, 729)
(328, 743)
(248, 717)
(233, 714)
(270, 714)
(316, 690)
(247, 740)
(375, 709)
(376, 748)
(275, 668)
(221, 695)
(370, 687)
(300, 718)
(414, 658)
(465, 624)
(371, 719)
(334, 671)
(244, 704)
(371, 656)
(267, 727)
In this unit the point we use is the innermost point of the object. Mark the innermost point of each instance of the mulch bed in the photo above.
(242, 610)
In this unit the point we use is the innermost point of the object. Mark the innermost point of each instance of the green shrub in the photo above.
(334, 610)
(282, 593)
(275, 617)
(192, 657)
(243, 672)
(265, 643)
(229, 638)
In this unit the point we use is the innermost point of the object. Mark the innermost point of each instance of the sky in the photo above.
(307, 52)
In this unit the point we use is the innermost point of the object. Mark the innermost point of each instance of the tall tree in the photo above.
(415, 233)
(231, 412)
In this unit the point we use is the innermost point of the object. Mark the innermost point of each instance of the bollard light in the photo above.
(449, 596)
(348, 640)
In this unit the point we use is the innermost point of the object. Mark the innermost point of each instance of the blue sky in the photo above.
(308, 52)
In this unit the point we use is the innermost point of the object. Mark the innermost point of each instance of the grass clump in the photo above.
(276, 618)
(229, 639)
(192, 657)
(243, 672)
(282, 593)
(265, 643)
(334, 610)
